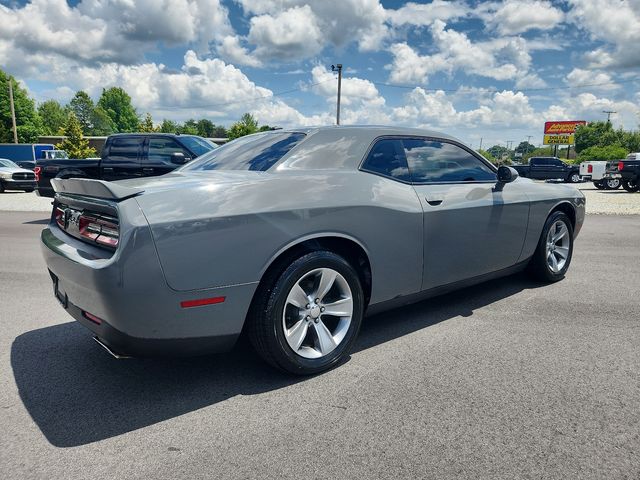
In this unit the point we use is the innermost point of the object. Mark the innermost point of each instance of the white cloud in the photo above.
(425, 14)
(287, 36)
(97, 31)
(518, 16)
(614, 21)
(230, 49)
(579, 77)
(500, 59)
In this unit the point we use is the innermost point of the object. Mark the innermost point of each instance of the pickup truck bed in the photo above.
(628, 171)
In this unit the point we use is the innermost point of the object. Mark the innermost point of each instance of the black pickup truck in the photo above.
(125, 155)
(628, 171)
(549, 168)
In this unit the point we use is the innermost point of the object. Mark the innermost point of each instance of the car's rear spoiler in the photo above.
(94, 188)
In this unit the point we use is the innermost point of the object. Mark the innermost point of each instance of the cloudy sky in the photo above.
(492, 70)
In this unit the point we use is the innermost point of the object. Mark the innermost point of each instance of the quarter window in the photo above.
(436, 161)
(387, 158)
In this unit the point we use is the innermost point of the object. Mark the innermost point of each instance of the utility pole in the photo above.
(338, 67)
(608, 112)
(480, 144)
(529, 138)
(13, 111)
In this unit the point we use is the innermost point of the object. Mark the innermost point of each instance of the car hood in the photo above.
(14, 170)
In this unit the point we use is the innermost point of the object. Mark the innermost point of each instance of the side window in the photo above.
(161, 149)
(387, 158)
(125, 149)
(436, 161)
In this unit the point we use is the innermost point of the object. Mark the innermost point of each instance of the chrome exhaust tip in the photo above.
(119, 356)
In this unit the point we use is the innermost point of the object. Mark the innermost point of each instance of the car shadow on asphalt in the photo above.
(77, 394)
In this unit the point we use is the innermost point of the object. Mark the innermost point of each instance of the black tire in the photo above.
(538, 266)
(599, 185)
(264, 323)
(630, 186)
(574, 177)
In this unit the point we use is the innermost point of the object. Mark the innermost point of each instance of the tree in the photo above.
(102, 123)
(83, 108)
(487, 155)
(190, 127)
(28, 122)
(147, 124)
(53, 117)
(205, 128)
(75, 144)
(246, 126)
(610, 152)
(117, 105)
(525, 147)
(169, 126)
(499, 152)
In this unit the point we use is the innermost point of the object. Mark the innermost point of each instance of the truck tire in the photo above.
(574, 177)
(630, 185)
(612, 184)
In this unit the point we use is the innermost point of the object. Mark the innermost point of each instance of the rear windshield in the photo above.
(254, 152)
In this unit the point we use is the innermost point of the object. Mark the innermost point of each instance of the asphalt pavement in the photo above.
(509, 379)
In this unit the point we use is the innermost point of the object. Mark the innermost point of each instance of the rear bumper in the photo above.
(139, 315)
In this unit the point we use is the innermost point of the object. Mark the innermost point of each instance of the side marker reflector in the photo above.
(202, 301)
(93, 318)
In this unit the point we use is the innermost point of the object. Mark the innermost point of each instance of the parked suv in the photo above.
(125, 155)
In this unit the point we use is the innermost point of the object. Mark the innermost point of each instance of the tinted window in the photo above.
(434, 161)
(540, 161)
(199, 146)
(125, 149)
(387, 158)
(254, 152)
(161, 149)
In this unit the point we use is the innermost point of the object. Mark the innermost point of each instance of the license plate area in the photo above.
(60, 296)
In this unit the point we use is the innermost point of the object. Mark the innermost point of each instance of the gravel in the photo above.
(602, 202)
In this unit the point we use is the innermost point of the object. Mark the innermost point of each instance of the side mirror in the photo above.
(507, 174)
(178, 158)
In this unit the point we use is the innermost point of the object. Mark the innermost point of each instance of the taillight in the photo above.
(589, 168)
(59, 216)
(620, 165)
(99, 230)
(37, 171)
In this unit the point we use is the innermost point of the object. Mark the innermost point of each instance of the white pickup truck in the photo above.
(595, 172)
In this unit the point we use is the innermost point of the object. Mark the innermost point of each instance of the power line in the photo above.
(523, 90)
(245, 100)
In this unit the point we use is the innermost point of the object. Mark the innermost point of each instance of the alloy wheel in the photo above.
(317, 313)
(558, 243)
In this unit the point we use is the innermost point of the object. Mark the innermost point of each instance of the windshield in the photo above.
(254, 152)
(197, 145)
(7, 163)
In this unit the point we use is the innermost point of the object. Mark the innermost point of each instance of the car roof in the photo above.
(368, 130)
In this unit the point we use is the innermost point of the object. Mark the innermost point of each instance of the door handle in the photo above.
(434, 202)
(147, 170)
(107, 169)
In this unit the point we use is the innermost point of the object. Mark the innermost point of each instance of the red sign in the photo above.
(569, 126)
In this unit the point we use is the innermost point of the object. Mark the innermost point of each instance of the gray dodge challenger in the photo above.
(291, 236)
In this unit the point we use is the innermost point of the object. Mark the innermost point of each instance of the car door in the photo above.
(158, 157)
(472, 224)
(122, 158)
(539, 168)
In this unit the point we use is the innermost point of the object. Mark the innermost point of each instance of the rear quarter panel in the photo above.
(214, 234)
